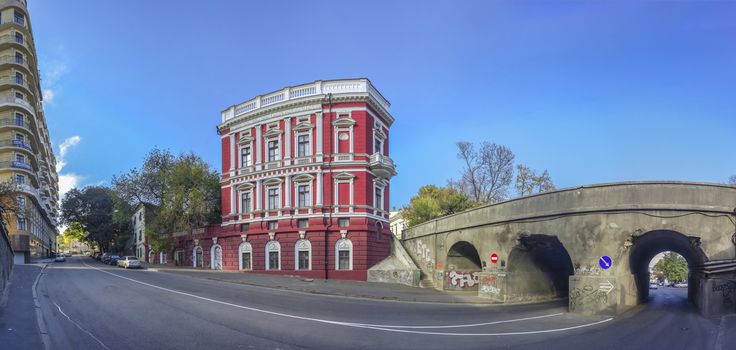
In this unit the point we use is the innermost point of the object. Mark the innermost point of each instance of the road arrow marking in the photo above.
(606, 287)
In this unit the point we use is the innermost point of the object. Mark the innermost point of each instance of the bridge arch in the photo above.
(539, 267)
(646, 246)
(463, 262)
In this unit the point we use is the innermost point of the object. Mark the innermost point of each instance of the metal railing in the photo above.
(17, 143)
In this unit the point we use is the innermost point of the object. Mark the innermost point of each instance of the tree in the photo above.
(487, 172)
(432, 202)
(528, 182)
(101, 213)
(673, 267)
(524, 180)
(732, 180)
(145, 185)
(8, 201)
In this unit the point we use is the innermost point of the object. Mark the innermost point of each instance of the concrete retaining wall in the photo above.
(397, 268)
(6, 259)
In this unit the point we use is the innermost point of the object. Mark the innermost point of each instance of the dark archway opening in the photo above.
(539, 268)
(463, 262)
(648, 245)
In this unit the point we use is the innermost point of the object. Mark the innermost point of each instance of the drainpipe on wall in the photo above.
(329, 166)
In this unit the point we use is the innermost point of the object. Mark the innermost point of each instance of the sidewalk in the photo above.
(18, 323)
(354, 289)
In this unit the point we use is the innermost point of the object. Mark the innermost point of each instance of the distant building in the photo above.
(26, 155)
(397, 224)
(305, 184)
(141, 244)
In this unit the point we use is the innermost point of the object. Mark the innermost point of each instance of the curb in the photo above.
(45, 339)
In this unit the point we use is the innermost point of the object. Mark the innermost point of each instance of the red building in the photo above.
(305, 184)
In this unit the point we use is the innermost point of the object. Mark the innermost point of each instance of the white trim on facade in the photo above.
(273, 246)
(343, 244)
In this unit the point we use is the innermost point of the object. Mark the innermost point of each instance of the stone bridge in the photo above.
(551, 245)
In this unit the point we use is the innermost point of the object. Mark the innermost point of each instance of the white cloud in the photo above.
(48, 95)
(63, 149)
(67, 182)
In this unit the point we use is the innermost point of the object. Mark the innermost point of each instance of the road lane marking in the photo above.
(80, 327)
(461, 325)
(385, 328)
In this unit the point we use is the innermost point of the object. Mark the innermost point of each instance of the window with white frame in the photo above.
(273, 198)
(21, 223)
(20, 137)
(273, 255)
(20, 179)
(20, 158)
(344, 254)
(21, 202)
(245, 254)
(272, 225)
(162, 258)
(303, 148)
(246, 158)
(377, 146)
(378, 197)
(197, 257)
(303, 255)
(20, 119)
(303, 196)
(246, 202)
(273, 150)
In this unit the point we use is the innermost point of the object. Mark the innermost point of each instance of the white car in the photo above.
(681, 285)
(129, 262)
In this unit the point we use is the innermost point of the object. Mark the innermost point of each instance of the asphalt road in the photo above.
(88, 305)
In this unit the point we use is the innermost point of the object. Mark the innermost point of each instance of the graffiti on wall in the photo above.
(727, 290)
(488, 284)
(462, 279)
(588, 294)
(587, 270)
(423, 253)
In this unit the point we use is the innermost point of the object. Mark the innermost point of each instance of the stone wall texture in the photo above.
(6, 258)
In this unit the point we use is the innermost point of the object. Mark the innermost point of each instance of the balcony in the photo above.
(19, 102)
(19, 3)
(17, 143)
(12, 39)
(382, 165)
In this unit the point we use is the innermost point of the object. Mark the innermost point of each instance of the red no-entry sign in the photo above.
(494, 258)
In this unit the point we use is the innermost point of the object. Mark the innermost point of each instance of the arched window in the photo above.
(197, 257)
(303, 254)
(151, 254)
(216, 257)
(162, 258)
(344, 254)
(245, 256)
(273, 255)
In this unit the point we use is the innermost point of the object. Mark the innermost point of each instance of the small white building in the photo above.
(140, 242)
(397, 223)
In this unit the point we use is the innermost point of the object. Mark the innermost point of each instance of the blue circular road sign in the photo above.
(605, 262)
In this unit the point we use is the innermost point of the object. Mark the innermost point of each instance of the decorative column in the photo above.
(319, 137)
(258, 196)
(287, 141)
(257, 142)
(287, 190)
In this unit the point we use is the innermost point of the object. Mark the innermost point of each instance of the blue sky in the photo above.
(593, 91)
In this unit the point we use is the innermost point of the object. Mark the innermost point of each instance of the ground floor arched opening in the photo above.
(649, 245)
(463, 263)
(538, 268)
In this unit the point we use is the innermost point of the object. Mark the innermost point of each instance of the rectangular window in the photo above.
(20, 158)
(303, 196)
(273, 198)
(272, 225)
(20, 138)
(19, 38)
(19, 78)
(377, 146)
(303, 260)
(379, 198)
(20, 179)
(22, 224)
(19, 18)
(302, 143)
(343, 260)
(20, 96)
(273, 150)
(246, 159)
(21, 202)
(246, 260)
(245, 203)
(343, 222)
(302, 223)
(273, 260)
(244, 227)
(19, 119)
(19, 58)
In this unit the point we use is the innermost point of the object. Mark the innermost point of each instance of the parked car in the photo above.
(653, 285)
(105, 258)
(68, 254)
(129, 262)
(59, 258)
(681, 285)
(113, 260)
